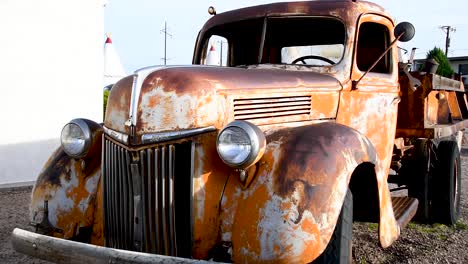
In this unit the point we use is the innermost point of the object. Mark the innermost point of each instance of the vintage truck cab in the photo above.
(266, 158)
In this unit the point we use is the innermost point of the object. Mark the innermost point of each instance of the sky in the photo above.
(136, 26)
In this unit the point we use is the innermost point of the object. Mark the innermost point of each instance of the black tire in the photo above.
(420, 183)
(447, 184)
(339, 249)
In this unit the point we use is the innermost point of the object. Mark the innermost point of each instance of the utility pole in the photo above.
(166, 33)
(447, 30)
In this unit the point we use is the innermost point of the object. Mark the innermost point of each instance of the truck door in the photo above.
(370, 106)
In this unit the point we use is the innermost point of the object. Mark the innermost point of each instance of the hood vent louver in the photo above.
(273, 109)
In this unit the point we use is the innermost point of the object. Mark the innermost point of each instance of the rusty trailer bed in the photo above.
(438, 108)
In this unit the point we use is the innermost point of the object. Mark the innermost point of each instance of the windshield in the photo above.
(312, 41)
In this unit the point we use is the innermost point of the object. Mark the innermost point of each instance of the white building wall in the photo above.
(51, 68)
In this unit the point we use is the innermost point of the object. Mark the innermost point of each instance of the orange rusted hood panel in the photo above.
(118, 105)
(178, 98)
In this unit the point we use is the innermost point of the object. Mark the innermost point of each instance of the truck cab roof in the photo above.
(345, 9)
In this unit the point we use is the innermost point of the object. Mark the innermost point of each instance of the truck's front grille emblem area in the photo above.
(272, 108)
(142, 208)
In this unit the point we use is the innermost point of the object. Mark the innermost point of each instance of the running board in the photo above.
(405, 209)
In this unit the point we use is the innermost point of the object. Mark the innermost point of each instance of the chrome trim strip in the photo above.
(138, 79)
(66, 251)
(121, 137)
(166, 136)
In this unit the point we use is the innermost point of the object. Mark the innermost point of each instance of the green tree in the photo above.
(444, 66)
(106, 95)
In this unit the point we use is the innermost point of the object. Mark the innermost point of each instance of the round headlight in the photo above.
(76, 138)
(240, 144)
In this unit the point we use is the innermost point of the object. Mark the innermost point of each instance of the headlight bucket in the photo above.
(240, 144)
(78, 137)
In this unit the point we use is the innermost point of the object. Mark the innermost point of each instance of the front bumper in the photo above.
(66, 251)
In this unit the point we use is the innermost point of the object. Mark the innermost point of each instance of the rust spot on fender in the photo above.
(56, 164)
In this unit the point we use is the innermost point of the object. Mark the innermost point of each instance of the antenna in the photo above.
(166, 33)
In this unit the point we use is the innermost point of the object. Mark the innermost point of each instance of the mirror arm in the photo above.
(355, 83)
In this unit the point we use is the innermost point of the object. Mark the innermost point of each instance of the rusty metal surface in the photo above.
(177, 98)
(319, 129)
(412, 109)
(438, 108)
(118, 105)
(371, 108)
(442, 83)
(70, 188)
(210, 176)
(190, 97)
(437, 131)
(288, 212)
(405, 208)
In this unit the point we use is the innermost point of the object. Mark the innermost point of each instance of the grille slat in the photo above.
(129, 218)
(105, 182)
(137, 215)
(164, 200)
(140, 204)
(286, 99)
(151, 194)
(305, 103)
(266, 111)
(121, 198)
(269, 109)
(144, 200)
(113, 208)
(126, 198)
(157, 200)
(171, 156)
(270, 115)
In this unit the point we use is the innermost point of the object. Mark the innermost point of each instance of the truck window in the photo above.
(315, 41)
(372, 41)
(216, 51)
(243, 40)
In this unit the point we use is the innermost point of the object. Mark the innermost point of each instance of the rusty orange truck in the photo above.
(310, 124)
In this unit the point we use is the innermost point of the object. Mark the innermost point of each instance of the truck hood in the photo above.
(162, 99)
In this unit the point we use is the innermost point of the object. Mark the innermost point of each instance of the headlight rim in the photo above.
(257, 142)
(88, 137)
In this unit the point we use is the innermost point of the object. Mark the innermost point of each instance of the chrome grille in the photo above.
(147, 197)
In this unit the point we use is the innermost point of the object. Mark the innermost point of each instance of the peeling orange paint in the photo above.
(321, 125)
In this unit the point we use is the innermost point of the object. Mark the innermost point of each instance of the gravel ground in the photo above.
(417, 244)
(14, 212)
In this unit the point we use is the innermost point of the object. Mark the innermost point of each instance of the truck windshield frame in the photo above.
(309, 41)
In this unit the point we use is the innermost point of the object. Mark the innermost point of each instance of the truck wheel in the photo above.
(420, 179)
(339, 249)
(447, 179)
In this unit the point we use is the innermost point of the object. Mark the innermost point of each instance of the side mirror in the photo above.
(404, 30)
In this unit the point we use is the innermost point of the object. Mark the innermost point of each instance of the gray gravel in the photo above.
(417, 244)
(14, 212)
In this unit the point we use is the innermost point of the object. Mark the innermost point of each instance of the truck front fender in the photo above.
(64, 198)
(289, 211)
